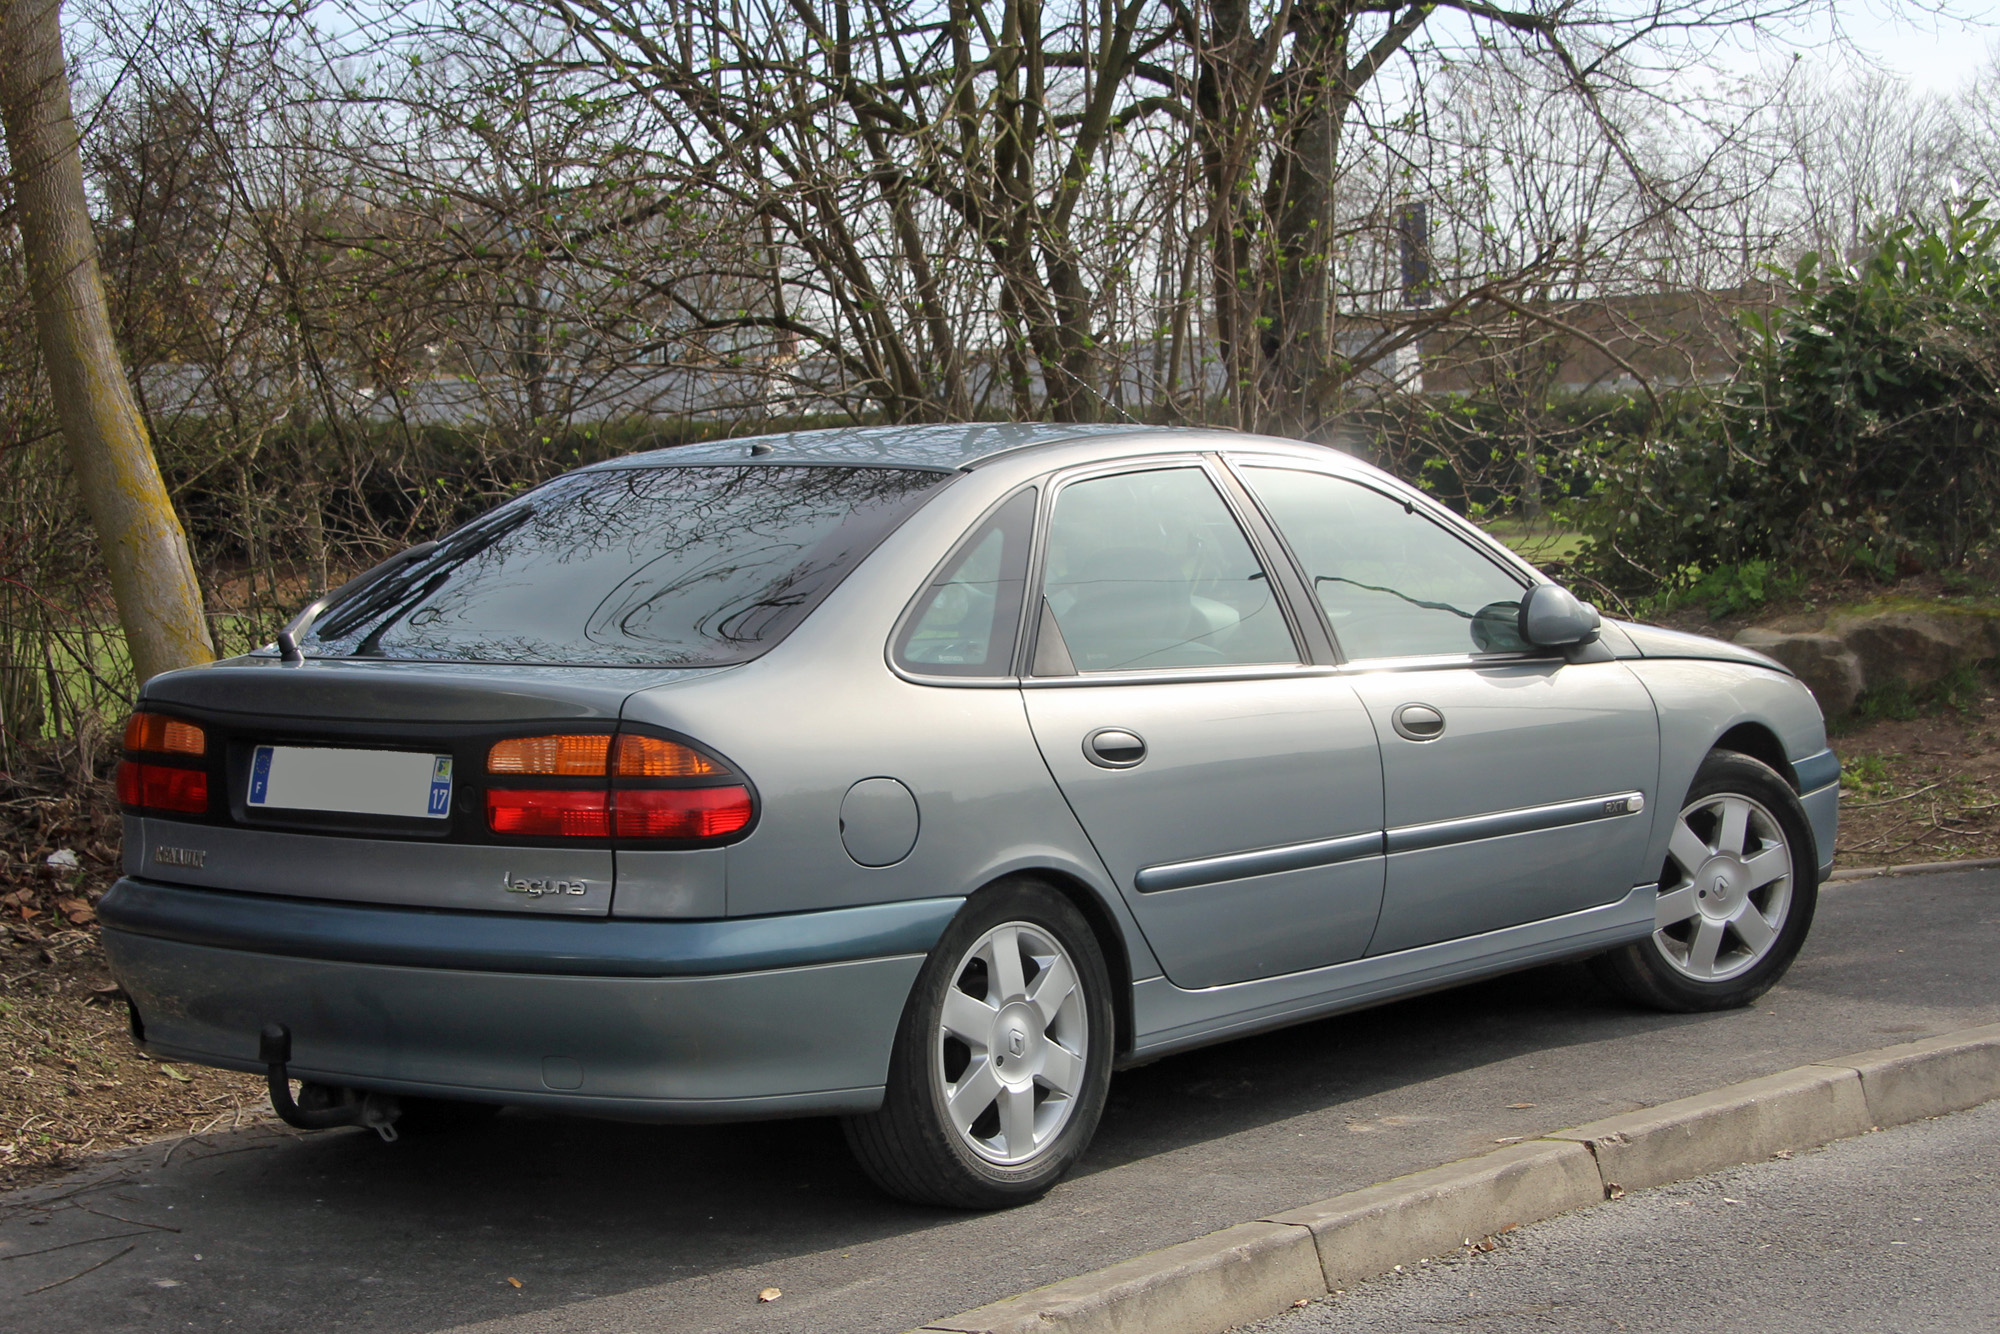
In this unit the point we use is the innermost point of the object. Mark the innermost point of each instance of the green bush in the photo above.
(1861, 430)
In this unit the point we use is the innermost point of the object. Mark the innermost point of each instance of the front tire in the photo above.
(1736, 895)
(1002, 1060)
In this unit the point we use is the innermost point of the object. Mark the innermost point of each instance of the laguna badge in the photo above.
(536, 889)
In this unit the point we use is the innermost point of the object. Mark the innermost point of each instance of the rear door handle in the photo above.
(1418, 722)
(1114, 748)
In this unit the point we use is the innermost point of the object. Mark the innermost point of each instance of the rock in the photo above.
(1912, 647)
(1830, 669)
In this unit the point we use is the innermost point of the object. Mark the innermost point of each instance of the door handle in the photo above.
(1418, 722)
(1114, 748)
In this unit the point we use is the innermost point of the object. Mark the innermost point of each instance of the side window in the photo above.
(1394, 583)
(964, 622)
(1149, 570)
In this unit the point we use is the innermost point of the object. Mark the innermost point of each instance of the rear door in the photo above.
(1514, 780)
(1232, 788)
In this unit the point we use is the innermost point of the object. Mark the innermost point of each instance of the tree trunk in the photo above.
(152, 578)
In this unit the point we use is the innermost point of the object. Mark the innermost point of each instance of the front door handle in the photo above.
(1114, 748)
(1418, 722)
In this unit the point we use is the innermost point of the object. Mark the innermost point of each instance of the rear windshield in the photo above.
(696, 566)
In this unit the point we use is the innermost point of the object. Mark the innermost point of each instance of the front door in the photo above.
(1515, 781)
(1234, 792)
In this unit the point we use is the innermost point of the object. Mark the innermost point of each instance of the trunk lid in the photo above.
(441, 718)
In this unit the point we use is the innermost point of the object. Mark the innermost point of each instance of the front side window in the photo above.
(1393, 582)
(964, 622)
(694, 566)
(1149, 570)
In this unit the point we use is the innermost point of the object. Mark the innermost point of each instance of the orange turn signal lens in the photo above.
(563, 756)
(651, 757)
(162, 735)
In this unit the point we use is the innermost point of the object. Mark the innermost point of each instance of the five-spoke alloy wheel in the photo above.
(1000, 1067)
(1736, 894)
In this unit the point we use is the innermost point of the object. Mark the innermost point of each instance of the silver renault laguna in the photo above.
(923, 776)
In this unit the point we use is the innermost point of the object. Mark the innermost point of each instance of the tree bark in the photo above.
(152, 577)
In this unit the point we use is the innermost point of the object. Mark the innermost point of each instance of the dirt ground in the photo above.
(72, 1084)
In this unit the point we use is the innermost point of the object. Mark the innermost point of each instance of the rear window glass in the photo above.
(696, 566)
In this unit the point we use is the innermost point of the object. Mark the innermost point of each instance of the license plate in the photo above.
(353, 782)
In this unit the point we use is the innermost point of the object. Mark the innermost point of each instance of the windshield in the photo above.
(695, 566)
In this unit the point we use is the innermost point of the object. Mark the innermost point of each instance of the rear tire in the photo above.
(1736, 895)
(1002, 1060)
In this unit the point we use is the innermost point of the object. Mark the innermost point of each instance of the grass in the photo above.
(1538, 541)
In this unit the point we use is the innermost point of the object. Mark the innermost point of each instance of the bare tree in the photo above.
(152, 577)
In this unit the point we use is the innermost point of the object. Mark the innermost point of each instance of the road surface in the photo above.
(617, 1227)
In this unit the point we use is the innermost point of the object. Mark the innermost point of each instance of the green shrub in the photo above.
(1862, 428)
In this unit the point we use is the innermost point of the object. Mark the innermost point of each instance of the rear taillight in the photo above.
(688, 812)
(540, 814)
(158, 774)
(160, 787)
(634, 787)
(163, 735)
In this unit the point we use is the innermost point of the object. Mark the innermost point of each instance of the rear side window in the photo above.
(696, 566)
(1149, 570)
(964, 622)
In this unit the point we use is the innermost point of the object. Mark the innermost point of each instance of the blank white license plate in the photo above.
(355, 782)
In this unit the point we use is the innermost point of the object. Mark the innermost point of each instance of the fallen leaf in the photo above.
(769, 1295)
(1303, 1301)
(172, 1073)
(515, 1281)
(1614, 1191)
(1519, 1106)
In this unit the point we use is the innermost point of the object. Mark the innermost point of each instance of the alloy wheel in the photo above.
(1727, 890)
(1008, 1054)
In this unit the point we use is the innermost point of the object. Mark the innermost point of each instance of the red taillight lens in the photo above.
(682, 812)
(550, 814)
(163, 735)
(158, 787)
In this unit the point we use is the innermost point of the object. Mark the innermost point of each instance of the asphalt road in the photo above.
(614, 1227)
(1896, 1231)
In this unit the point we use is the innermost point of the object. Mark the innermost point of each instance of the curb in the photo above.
(1915, 868)
(1258, 1269)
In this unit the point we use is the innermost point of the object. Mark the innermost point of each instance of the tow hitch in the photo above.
(320, 1106)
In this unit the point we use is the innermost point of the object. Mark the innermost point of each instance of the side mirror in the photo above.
(1551, 617)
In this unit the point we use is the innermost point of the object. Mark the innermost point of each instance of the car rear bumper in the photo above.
(736, 1019)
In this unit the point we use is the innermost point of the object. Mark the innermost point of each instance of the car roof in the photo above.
(950, 447)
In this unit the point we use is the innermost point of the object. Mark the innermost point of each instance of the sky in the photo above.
(1936, 53)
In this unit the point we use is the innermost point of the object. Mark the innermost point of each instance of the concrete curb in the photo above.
(1258, 1269)
(1915, 868)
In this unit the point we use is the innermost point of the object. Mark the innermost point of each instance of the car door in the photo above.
(1233, 790)
(1513, 779)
